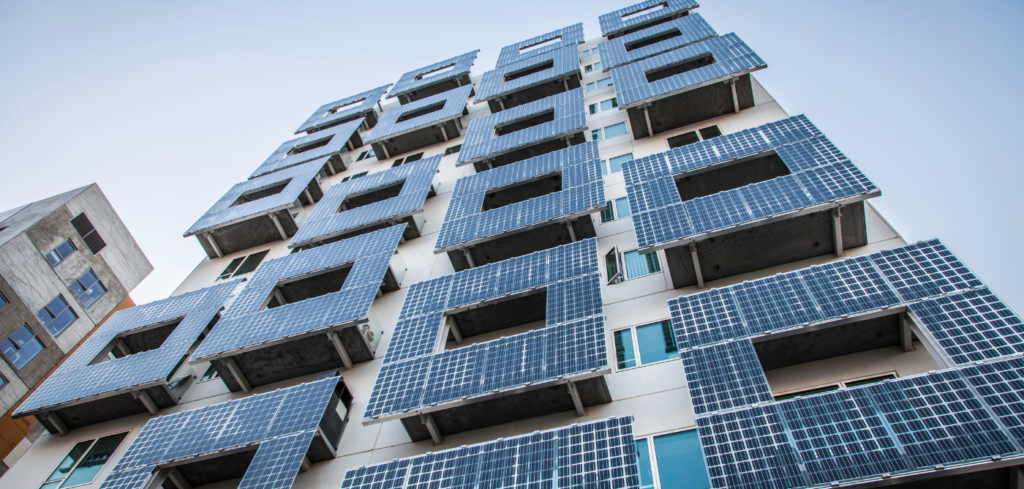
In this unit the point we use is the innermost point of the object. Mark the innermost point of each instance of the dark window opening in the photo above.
(346, 106)
(440, 71)
(504, 318)
(520, 192)
(371, 196)
(336, 417)
(691, 137)
(251, 262)
(211, 374)
(672, 70)
(648, 10)
(534, 120)
(452, 150)
(547, 65)
(846, 384)
(728, 177)
(88, 233)
(317, 285)
(141, 340)
(412, 114)
(211, 470)
(310, 146)
(254, 195)
(397, 162)
(653, 40)
(541, 44)
(710, 132)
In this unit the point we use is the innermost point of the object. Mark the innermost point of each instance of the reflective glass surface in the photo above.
(624, 353)
(681, 461)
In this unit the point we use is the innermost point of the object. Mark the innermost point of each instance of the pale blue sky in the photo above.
(168, 104)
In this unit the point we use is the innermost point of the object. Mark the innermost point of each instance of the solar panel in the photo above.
(570, 117)
(566, 36)
(645, 43)
(971, 327)
(327, 220)
(724, 376)
(495, 84)
(732, 58)
(454, 106)
(582, 193)
(748, 449)
(339, 110)
(615, 22)
(595, 454)
(321, 144)
(416, 79)
(277, 462)
(999, 385)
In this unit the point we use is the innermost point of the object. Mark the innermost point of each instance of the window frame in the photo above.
(613, 207)
(214, 376)
(660, 268)
(596, 88)
(55, 251)
(3, 301)
(622, 266)
(636, 347)
(700, 137)
(85, 289)
(604, 137)
(619, 276)
(595, 108)
(92, 444)
(451, 150)
(46, 324)
(649, 439)
(18, 349)
(840, 385)
(241, 260)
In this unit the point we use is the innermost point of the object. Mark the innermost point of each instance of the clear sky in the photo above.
(168, 104)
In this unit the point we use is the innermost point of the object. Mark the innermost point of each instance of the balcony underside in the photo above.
(528, 152)
(420, 138)
(109, 408)
(413, 230)
(691, 107)
(436, 88)
(534, 93)
(522, 243)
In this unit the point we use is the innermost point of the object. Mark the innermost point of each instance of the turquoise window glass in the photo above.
(681, 461)
(657, 342)
(643, 456)
(624, 355)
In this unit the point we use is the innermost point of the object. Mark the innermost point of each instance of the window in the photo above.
(452, 150)
(836, 386)
(590, 52)
(650, 343)
(400, 162)
(694, 137)
(672, 461)
(84, 462)
(366, 154)
(21, 347)
(617, 209)
(242, 265)
(3, 301)
(61, 252)
(604, 82)
(353, 177)
(397, 162)
(57, 315)
(612, 131)
(211, 373)
(614, 165)
(88, 288)
(604, 105)
(593, 67)
(88, 233)
(630, 265)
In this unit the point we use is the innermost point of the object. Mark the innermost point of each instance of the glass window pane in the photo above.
(57, 304)
(616, 130)
(710, 132)
(638, 265)
(65, 249)
(414, 157)
(643, 455)
(88, 279)
(593, 108)
(231, 267)
(68, 316)
(54, 258)
(65, 465)
(588, 68)
(372, 154)
(604, 167)
(611, 263)
(595, 135)
(597, 66)
(44, 316)
(77, 288)
(3, 300)
(7, 346)
(608, 214)
(622, 207)
(22, 335)
(683, 140)
(251, 262)
(91, 294)
(26, 353)
(681, 461)
(616, 162)
(452, 150)
(607, 82)
(609, 104)
(94, 460)
(590, 87)
(657, 342)
(624, 355)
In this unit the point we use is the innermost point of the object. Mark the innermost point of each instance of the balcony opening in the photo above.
(257, 194)
(539, 45)
(310, 146)
(346, 106)
(653, 40)
(231, 465)
(679, 68)
(371, 196)
(547, 65)
(649, 10)
(440, 71)
(323, 283)
(519, 125)
(418, 112)
(508, 317)
(523, 191)
(732, 176)
(137, 341)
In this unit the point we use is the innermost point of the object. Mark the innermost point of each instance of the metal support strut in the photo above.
(57, 423)
(340, 348)
(906, 333)
(237, 374)
(647, 117)
(735, 97)
(146, 401)
(454, 329)
(469, 257)
(572, 232)
(213, 244)
(277, 224)
(435, 434)
(696, 265)
(837, 230)
(574, 393)
(444, 133)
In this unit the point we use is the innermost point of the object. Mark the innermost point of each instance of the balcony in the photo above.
(133, 364)
(326, 144)
(258, 211)
(643, 15)
(746, 201)
(531, 79)
(434, 79)
(422, 123)
(652, 41)
(544, 43)
(306, 312)
(364, 106)
(523, 207)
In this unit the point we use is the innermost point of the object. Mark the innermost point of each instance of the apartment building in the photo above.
(612, 261)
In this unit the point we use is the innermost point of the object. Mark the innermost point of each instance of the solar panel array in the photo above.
(329, 113)
(282, 422)
(223, 212)
(724, 376)
(613, 22)
(582, 193)
(692, 28)
(75, 379)
(245, 325)
(454, 105)
(328, 220)
(570, 117)
(595, 454)
(414, 80)
(333, 139)
(821, 176)
(566, 36)
(565, 63)
(732, 58)
(572, 343)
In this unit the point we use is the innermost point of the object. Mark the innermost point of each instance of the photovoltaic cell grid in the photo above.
(245, 325)
(329, 113)
(566, 36)
(76, 379)
(565, 63)
(732, 58)
(223, 213)
(570, 117)
(821, 175)
(724, 376)
(454, 104)
(972, 326)
(415, 80)
(596, 454)
(572, 343)
(692, 28)
(282, 422)
(582, 193)
(613, 22)
(326, 143)
(328, 220)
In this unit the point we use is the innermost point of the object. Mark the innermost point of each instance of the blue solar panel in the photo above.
(454, 104)
(570, 117)
(327, 220)
(925, 269)
(1001, 386)
(724, 376)
(582, 193)
(224, 212)
(339, 110)
(971, 327)
(566, 36)
(420, 78)
(732, 59)
(595, 454)
(128, 479)
(321, 144)
(749, 449)
(496, 84)
(614, 23)
(277, 462)
(622, 50)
